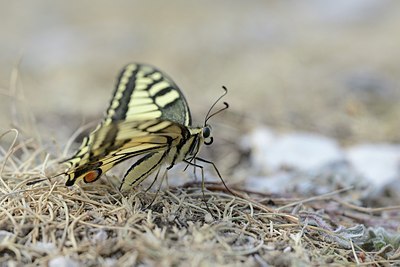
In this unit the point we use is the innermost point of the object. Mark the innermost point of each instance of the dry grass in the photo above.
(50, 224)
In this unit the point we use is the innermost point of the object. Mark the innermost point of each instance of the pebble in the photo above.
(62, 261)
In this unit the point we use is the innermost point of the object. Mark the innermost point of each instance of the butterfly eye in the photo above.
(92, 176)
(207, 135)
(206, 131)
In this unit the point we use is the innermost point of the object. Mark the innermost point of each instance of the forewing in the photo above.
(145, 93)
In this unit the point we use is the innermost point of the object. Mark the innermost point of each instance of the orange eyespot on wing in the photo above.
(92, 176)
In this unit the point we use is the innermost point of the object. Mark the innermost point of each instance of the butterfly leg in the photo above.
(218, 173)
(159, 187)
(194, 170)
(154, 181)
(202, 183)
(166, 178)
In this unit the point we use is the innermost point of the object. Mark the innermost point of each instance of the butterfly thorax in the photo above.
(188, 147)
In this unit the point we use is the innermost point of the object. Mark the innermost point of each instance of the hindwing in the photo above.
(118, 141)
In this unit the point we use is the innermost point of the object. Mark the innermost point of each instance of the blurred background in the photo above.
(325, 67)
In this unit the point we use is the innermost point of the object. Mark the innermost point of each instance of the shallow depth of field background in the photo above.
(330, 67)
(313, 127)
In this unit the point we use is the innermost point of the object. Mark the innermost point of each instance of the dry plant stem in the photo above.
(181, 202)
(240, 220)
(245, 228)
(324, 196)
(243, 199)
(159, 186)
(367, 210)
(71, 140)
(14, 162)
(17, 95)
(354, 252)
(10, 151)
(65, 232)
(13, 91)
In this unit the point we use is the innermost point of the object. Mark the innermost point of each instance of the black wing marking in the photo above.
(144, 93)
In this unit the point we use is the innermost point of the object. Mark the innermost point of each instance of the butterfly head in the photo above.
(206, 131)
(207, 134)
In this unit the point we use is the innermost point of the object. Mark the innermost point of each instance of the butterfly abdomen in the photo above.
(142, 169)
(152, 162)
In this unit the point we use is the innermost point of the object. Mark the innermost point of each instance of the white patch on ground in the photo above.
(5, 235)
(303, 151)
(300, 151)
(62, 261)
(274, 183)
(45, 247)
(281, 162)
(379, 163)
(100, 236)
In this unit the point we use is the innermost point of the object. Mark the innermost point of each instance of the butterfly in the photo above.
(147, 116)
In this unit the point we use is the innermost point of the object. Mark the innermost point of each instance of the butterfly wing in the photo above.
(147, 113)
(143, 93)
(116, 142)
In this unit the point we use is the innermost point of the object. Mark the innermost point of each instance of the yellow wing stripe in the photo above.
(156, 88)
(139, 94)
(166, 99)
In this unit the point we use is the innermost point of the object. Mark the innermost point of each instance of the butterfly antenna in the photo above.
(208, 116)
(218, 111)
(47, 178)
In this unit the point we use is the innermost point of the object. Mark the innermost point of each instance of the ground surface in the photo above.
(327, 68)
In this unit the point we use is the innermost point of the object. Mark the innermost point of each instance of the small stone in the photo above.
(208, 218)
(62, 261)
(287, 249)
